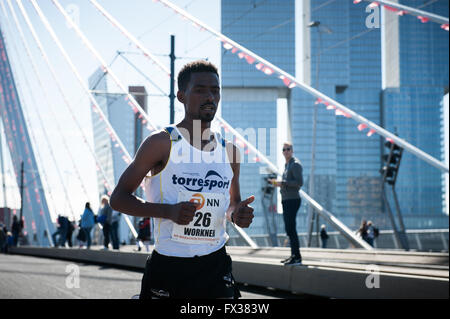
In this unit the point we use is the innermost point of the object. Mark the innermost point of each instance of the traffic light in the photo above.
(391, 163)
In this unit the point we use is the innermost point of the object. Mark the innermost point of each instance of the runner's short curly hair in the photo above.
(194, 67)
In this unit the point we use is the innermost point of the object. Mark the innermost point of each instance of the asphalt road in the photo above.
(25, 277)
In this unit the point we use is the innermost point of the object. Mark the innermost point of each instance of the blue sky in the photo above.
(151, 22)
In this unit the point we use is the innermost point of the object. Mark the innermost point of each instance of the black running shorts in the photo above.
(206, 276)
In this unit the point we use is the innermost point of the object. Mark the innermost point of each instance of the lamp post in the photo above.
(314, 24)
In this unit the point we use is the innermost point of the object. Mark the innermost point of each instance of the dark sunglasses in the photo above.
(286, 149)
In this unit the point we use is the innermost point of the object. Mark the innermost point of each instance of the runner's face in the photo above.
(202, 96)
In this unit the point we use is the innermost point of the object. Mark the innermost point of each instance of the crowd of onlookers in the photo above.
(67, 230)
(108, 220)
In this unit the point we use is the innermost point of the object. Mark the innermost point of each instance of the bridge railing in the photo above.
(419, 239)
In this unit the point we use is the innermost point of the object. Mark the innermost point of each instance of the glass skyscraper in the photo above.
(128, 127)
(249, 97)
(344, 59)
(411, 103)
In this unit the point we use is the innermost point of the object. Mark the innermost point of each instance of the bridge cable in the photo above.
(346, 231)
(97, 108)
(266, 65)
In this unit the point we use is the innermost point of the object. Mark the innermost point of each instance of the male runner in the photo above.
(192, 188)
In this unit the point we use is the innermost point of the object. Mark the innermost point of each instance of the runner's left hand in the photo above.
(243, 214)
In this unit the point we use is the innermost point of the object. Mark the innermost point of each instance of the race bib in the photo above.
(208, 222)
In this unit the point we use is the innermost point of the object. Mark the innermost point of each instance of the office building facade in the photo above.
(412, 107)
(128, 126)
(343, 58)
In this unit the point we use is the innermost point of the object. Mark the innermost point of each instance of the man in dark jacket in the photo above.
(106, 211)
(292, 181)
(16, 229)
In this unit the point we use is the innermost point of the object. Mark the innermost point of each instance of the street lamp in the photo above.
(315, 24)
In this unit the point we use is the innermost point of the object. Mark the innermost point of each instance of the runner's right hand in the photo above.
(182, 213)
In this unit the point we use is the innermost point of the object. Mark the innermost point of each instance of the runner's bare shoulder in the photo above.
(154, 151)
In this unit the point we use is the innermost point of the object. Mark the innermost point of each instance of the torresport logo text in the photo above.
(197, 184)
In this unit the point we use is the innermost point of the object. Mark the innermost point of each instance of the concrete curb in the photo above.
(269, 272)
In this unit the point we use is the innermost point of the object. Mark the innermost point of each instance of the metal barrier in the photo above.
(419, 240)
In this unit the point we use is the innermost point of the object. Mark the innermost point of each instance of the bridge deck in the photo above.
(325, 272)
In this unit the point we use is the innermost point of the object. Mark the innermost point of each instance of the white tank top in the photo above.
(192, 175)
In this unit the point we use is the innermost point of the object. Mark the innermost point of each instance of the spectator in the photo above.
(46, 242)
(115, 229)
(144, 234)
(372, 233)
(3, 238)
(324, 236)
(16, 228)
(105, 214)
(63, 222)
(57, 233)
(362, 231)
(70, 229)
(87, 222)
(81, 237)
(292, 181)
(10, 240)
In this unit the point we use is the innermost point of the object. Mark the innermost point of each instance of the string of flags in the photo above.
(252, 60)
(444, 26)
(242, 143)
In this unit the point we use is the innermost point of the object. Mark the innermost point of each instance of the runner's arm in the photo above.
(238, 212)
(152, 152)
(235, 191)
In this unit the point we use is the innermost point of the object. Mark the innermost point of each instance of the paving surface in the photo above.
(26, 277)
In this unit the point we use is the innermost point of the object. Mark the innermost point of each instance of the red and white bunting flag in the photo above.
(259, 66)
(390, 8)
(371, 132)
(356, 1)
(227, 46)
(250, 60)
(390, 140)
(267, 70)
(256, 159)
(234, 50)
(331, 107)
(374, 4)
(292, 85)
(247, 151)
(445, 27)
(402, 12)
(241, 55)
(318, 101)
(285, 80)
(339, 112)
(423, 19)
(362, 126)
